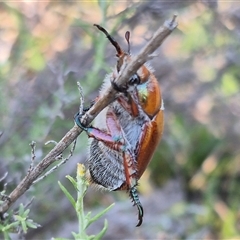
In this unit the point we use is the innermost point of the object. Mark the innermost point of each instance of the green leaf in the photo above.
(72, 180)
(68, 195)
(32, 224)
(24, 226)
(10, 226)
(25, 214)
(18, 218)
(96, 217)
(103, 231)
(21, 209)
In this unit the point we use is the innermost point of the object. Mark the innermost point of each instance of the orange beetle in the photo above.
(127, 131)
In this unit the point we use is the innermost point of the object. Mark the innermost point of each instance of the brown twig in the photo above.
(131, 68)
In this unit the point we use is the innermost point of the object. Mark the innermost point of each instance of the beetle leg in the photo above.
(129, 158)
(78, 116)
(115, 139)
(130, 166)
(129, 162)
(136, 201)
(112, 138)
(130, 106)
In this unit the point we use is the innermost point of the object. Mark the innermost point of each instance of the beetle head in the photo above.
(142, 74)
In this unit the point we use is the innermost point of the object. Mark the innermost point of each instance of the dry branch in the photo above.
(144, 55)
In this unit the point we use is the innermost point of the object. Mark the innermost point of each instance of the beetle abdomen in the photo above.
(105, 166)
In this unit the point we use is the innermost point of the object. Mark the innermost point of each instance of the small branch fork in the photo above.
(145, 54)
(63, 161)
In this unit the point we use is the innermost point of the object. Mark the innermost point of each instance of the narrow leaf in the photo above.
(96, 217)
(72, 180)
(68, 195)
(103, 231)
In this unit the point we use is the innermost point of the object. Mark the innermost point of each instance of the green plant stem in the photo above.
(82, 186)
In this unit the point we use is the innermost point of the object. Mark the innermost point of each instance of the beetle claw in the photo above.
(85, 109)
(140, 215)
(136, 201)
(77, 118)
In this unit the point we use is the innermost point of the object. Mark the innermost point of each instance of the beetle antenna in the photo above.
(136, 201)
(111, 39)
(127, 37)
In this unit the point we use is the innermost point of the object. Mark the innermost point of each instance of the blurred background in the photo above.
(191, 187)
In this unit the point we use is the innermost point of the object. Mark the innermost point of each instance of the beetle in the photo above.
(127, 131)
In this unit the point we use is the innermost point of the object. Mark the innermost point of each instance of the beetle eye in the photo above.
(135, 79)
